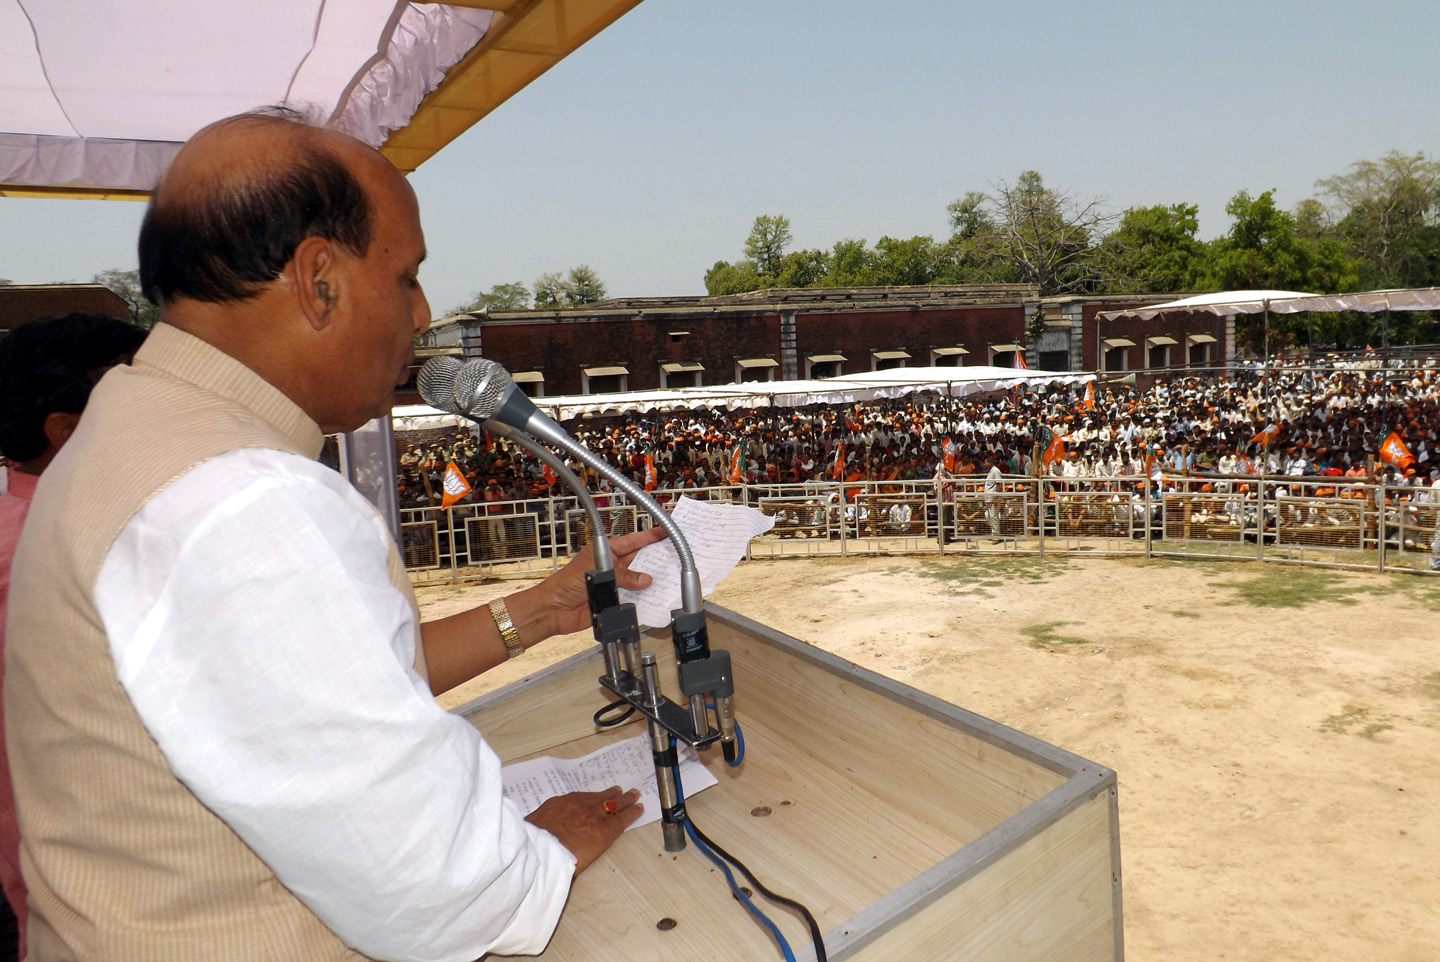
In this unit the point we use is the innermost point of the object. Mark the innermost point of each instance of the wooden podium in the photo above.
(913, 830)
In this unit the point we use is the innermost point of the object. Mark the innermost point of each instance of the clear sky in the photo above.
(647, 153)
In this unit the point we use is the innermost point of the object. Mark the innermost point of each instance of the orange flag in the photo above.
(549, 475)
(1266, 434)
(1054, 451)
(838, 468)
(1020, 364)
(1394, 452)
(651, 479)
(948, 448)
(1090, 396)
(456, 487)
(737, 463)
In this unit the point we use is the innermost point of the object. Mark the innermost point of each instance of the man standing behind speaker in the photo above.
(224, 737)
(47, 370)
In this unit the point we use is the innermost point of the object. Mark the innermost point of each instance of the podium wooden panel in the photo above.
(911, 828)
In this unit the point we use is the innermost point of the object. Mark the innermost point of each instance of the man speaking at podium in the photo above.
(218, 694)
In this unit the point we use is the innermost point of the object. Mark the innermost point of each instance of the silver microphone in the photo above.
(483, 389)
(443, 380)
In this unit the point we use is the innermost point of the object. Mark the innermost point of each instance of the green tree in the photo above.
(727, 278)
(1026, 233)
(1153, 250)
(126, 284)
(583, 286)
(804, 268)
(549, 291)
(501, 297)
(1388, 212)
(852, 264)
(913, 261)
(765, 247)
(1266, 249)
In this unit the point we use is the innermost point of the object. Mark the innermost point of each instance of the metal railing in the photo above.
(1335, 522)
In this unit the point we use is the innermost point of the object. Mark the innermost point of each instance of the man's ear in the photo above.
(316, 278)
(58, 427)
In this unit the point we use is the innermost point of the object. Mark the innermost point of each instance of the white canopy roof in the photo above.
(1228, 303)
(95, 98)
(847, 389)
(1224, 303)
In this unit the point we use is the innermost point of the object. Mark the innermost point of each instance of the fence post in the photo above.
(554, 534)
(1260, 517)
(1150, 518)
(844, 552)
(454, 555)
(1040, 511)
(1380, 539)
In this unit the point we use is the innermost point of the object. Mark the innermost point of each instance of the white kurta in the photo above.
(254, 626)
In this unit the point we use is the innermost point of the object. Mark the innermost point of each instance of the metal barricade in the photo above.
(1336, 522)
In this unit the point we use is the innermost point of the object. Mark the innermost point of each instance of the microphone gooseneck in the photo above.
(483, 389)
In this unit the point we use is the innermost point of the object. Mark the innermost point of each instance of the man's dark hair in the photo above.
(226, 240)
(49, 366)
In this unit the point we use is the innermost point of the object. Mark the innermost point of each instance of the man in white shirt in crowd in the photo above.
(258, 621)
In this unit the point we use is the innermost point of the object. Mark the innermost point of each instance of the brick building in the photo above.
(633, 344)
(27, 302)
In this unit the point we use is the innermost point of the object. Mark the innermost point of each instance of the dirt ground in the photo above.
(1276, 730)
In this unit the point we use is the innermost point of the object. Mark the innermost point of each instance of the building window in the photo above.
(1199, 351)
(1157, 351)
(1116, 358)
(604, 380)
(1054, 360)
(678, 337)
(886, 360)
(675, 374)
(824, 365)
(948, 357)
(1003, 355)
(531, 383)
(755, 369)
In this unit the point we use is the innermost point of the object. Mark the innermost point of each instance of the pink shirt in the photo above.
(13, 507)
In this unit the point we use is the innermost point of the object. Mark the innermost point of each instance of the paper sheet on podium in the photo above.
(627, 764)
(717, 535)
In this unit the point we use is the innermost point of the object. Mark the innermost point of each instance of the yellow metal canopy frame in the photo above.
(525, 39)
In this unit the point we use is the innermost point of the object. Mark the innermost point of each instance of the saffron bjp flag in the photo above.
(1266, 434)
(737, 463)
(1394, 452)
(948, 449)
(1090, 396)
(1055, 450)
(651, 479)
(1020, 364)
(838, 468)
(549, 474)
(456, 487)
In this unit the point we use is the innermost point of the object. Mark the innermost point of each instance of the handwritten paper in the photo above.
(717, 535)
(628, 764)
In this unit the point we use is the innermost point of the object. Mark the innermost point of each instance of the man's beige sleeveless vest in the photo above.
(123, 863)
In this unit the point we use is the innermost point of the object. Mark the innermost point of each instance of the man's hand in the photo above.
(588, 822)
(559, 604)
(462, 646)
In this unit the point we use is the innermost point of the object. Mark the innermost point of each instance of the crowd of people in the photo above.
(1298, 418)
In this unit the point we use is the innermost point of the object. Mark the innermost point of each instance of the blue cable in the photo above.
(735, 889)
(739, 894)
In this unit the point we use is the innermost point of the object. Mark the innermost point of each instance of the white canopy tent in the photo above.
(1230, 303)
(1223, 303)
(95, 98)
(847, 389)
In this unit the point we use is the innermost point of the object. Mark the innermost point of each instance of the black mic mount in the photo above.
(483, 391)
